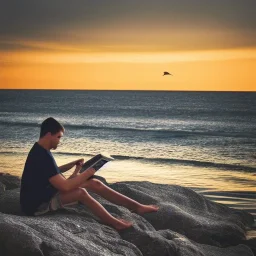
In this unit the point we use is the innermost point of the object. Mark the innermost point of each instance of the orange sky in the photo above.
(228, 70)
(129, 46)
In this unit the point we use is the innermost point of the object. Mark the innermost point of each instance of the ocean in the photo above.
(202, 140)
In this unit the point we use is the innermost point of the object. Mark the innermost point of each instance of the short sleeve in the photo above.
(51, 167)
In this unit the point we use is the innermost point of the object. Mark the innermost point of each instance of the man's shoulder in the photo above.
(38, 157)
(38, 151)
(40, 162)
(37, 148)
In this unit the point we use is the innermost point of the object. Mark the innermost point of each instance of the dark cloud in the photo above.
(54, 20)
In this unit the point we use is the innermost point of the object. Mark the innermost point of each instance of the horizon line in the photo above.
(120, 90)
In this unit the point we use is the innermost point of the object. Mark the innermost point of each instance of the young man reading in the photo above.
(44, 188)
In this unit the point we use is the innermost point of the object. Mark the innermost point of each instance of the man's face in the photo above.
(55, 139)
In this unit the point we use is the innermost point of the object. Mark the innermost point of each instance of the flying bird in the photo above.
(166, 73)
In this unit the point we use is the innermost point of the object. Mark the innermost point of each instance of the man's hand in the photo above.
(70, 165)
(78, 163)
(90, 172)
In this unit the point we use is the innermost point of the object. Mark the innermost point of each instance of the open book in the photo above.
(96, 162)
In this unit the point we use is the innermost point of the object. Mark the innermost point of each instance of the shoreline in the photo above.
(240, 200)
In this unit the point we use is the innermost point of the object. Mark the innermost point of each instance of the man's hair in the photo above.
(50, 125)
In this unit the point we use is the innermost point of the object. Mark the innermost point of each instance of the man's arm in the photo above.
(68, 166)
(65, 185)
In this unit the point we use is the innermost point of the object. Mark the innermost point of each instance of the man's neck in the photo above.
(44, 144)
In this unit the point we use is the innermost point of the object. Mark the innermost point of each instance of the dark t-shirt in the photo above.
(36, 189)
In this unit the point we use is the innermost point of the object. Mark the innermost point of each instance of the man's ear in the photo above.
(48, 134)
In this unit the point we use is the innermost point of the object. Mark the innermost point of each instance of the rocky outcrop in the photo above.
(186, 224)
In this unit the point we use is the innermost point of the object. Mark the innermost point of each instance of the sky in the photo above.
(127, 45)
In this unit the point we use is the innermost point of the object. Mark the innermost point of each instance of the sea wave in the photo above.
(185, 162)
(15, 123)
(159, 132)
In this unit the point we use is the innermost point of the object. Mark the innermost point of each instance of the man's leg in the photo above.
(113, 196)
(82, 195)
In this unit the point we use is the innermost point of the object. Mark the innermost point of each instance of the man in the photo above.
(44, 188)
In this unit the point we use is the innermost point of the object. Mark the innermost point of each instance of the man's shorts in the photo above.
(53, 205)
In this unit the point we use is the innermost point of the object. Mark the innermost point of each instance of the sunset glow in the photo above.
(129, 47)
(226, 70)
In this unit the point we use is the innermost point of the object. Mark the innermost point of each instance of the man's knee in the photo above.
(96, 184)
(74, 195)
(81, 193)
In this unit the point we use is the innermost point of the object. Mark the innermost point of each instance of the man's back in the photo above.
(35, 185)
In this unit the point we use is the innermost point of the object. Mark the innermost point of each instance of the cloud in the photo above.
(25, 58)
(116, 22)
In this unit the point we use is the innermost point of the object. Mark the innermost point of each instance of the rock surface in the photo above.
(186, 224)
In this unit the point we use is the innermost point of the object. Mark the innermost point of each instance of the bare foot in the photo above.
(146, 209)
(122, 224)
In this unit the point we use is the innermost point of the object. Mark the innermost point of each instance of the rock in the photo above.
(251, 242)
(188, 213)
(187, 224)
(2, 188)
(10, 181)
(10, 202)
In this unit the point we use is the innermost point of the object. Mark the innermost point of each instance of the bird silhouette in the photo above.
(166, 73)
